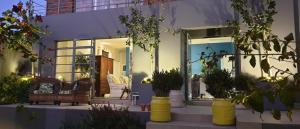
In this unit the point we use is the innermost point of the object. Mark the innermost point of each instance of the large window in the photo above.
(88, 5)
(74, 59)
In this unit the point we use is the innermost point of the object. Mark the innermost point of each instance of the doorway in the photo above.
(205, 41)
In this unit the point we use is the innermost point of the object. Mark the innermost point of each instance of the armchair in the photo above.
(115, 85)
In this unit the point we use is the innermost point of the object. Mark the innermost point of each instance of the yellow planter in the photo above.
(223, 112)
(160, 109)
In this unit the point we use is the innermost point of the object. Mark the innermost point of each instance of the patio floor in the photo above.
(192, 114)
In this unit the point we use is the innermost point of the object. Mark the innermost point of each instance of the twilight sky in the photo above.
(38, 4)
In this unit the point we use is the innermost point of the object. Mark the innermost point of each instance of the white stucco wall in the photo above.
(283, 25)
(105, 24)
(181, 14)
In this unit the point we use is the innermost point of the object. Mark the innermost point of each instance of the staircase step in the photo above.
(185, 125)
(191, 117)
(202, 102)
(192, 114)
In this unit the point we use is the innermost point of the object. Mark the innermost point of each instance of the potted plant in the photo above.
(220, 86)
(160, 105)
(175, 82)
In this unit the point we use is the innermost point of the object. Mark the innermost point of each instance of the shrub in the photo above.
(160, 84)
(106, 117)
(13, 89)
(244, 82)
(219, 83)
(175, 79)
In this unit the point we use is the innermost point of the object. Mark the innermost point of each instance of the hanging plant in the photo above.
(19, 30)
(254, 34)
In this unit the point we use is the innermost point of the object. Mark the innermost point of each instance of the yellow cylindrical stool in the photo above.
(223, 112)
(160, 109)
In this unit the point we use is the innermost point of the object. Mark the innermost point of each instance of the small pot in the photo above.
(223, 112)
(177, 99)
(148, 107)
(143, 107)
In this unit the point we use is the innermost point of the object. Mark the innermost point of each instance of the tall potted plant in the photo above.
(220, 86)
(160, 105)
(175, 82)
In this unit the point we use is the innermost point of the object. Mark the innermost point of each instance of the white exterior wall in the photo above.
(283, 25)
(181, 14)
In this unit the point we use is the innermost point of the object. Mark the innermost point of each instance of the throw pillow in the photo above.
(116, 80)
(46, 88)
(65, 92)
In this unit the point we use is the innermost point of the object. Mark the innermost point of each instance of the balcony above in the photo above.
(72, 6)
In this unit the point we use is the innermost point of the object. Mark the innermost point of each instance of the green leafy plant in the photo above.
(175, 80)
(160, 83)
(256, 35)
(18, 31)
(143, 31)
(219, 83)
(82, 64)
(244, 82)
(13, 89)
(106, 117)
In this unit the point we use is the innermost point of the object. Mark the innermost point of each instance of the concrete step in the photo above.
(185, 125)
(192, 114)
(186, 117)
(202, 102)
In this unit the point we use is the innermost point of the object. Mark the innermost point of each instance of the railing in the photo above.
(99, 5)
(69, 6)
(39, 8)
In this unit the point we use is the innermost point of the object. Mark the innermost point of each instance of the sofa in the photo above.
(44, 90)
(53, 90)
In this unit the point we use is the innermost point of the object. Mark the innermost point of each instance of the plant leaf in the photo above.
(289, 38)
(253, 61)
(276, 114)
(276, 45)
(265, 65)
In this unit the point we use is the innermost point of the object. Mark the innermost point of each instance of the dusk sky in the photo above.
(38, 4)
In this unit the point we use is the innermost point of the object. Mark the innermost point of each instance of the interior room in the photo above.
(74, 60)
(207, 45)
(112, 61)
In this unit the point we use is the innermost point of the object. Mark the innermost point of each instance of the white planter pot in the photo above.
(176, 98)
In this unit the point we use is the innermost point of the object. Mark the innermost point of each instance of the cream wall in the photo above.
(9, 62)
(118, 56)
(283, 25)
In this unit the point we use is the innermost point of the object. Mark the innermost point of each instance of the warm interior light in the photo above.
(25, 78)
(59, 77)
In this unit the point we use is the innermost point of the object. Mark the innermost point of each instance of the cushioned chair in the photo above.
(116, 85)
(44, 90)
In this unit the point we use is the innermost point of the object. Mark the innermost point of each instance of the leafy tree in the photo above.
(253, 34)
(19, 30)
(143, 30)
